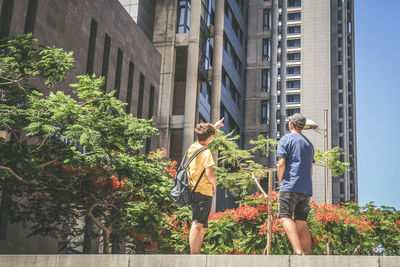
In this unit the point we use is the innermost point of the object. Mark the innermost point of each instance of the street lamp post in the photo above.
(310, 124)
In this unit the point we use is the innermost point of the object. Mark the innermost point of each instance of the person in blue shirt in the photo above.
(295, 163)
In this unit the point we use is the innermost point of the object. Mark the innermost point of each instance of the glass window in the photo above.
(340, 98)
(340, 70)
(294, 29)
(294, 16)
(293, 56)
(267, 20)
(290, 112)
(264, 111)
(294, 3)
(342, 190)
(340, 42)
(183, 16)
(340, 55)
(341, 127)
(340, 82)
(294, 43)
(341, 113)
(266, 81)
(266, 56)
(295, 84)
(293, 70)
(293, 98)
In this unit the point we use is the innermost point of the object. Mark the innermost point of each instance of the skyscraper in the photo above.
(319, 76)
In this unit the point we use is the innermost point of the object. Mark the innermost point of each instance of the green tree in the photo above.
(96, 174)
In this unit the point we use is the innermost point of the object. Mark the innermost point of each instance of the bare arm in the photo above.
(281, 169)
(211, 177)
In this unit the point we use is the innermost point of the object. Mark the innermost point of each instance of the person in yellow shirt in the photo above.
(202, 197)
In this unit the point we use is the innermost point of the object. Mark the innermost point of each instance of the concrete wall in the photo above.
(198, 261)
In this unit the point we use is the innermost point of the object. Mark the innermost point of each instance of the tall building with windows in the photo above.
(203, 48)
(319, 76)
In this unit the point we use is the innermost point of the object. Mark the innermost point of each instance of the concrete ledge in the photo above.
(198, 261)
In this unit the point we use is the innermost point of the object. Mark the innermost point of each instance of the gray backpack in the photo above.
(181, 192)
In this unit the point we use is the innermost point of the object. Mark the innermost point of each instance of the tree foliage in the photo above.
(73, 158)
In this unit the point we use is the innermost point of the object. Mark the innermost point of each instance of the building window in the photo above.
(339, 15)
(266, 80)
(130, 87)
(340, 113)
(106, 59)
(92, 47)
(294, 43)
(267, 20)
(31, 16)
(340, 98)
(341, 127)
(6, 17)
(266, 56)
(295, 84)
(340, 42)
(340, 70)
(340, 56)
(141, 96)
(293, 57)
(294, 3)
(294, 29)
(293, 70)
(340, 84)
(293, 99)
(341, 141)
(340, 28)
(183, 16)
(290, 112)
(294, 16)
(206, 92)
(118, 72)
(264, 111)
(342, 189)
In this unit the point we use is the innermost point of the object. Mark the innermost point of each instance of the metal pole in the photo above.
(327, 194)
(269, 239)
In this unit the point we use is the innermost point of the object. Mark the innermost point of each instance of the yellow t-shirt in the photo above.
(196, 167)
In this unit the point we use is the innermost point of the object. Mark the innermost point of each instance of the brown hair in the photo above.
(204, 131)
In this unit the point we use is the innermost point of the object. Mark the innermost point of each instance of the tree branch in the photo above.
(39, 147)
(107, 230)
(12, 173)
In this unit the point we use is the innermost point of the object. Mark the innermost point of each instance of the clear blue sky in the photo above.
(377, 37)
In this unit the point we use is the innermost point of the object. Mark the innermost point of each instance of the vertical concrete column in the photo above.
(217, 69)
(164, 41)
(282, 128)
(192, 75)
(273, 93)
(217, 61)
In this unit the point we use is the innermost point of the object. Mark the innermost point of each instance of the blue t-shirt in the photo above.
(299, 154)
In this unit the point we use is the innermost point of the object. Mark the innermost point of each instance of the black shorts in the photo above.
(201, 207)
(297, 203)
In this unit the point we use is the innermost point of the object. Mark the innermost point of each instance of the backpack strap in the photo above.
(193, 156)
(198, 181)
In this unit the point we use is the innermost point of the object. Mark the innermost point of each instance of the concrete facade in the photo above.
(196, 260)
(105, 41)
